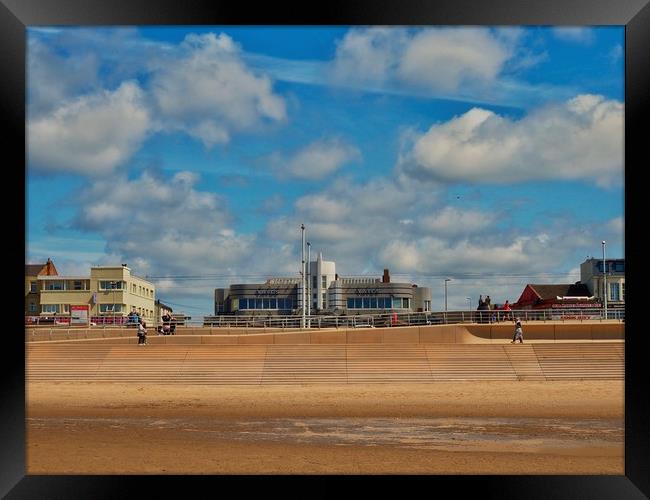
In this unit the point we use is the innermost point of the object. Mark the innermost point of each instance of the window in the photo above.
(50, 308)
(54, 285)
(281, 303)
(110, 285)
(133, 288)
(110, 308)
(32, 307)
(315, 281)
(366, 302)
(78, 285)
(614, 292)
(243, 303)
(324, 299)
(324, 282)
(350, 303)
(623, 291)
(427, 305)
(33, 286)
(373, 302)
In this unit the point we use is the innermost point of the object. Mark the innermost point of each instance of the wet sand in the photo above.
(478, 427)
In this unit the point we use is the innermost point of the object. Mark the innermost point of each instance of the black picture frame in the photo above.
(16, 15)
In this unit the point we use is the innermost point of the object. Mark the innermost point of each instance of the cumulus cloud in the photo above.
(317, 160)
(578, 139)
(53, 79)
(166, 223)
(209, 92)
(91, 134)
(439, 59)
(577, 34)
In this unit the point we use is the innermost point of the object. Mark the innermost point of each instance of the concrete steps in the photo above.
(307, 364)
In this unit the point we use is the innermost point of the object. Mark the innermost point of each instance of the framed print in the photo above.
(356, 233)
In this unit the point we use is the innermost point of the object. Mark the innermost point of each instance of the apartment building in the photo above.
(108, 295)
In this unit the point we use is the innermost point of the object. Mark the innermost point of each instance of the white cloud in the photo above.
(443, 59)
(91, 134)
(576, 34)
(450, 221)
(437, 59)
(317, 160)
(579, 139)
(209, 92)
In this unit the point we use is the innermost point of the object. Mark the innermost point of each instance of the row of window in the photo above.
(121, 285)
(379, 303)
(275, 303)
(612, 267)
(103, 309)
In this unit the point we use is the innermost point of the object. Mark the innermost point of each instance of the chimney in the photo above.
(386, 277)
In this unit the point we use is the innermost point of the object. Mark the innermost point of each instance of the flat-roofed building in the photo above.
(592, 275)
(108, 295)
(329, 294)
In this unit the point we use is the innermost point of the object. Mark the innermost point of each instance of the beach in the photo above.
(473, 427)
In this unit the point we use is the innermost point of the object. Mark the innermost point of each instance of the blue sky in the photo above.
(492, 155)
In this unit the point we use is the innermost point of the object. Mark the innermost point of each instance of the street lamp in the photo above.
(302, 272)
(469, 303)
(446, 280)
(604, 278)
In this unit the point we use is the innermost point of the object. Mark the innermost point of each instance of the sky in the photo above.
(492, 156)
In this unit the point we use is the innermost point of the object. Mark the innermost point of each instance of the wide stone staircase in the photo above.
(333, 364)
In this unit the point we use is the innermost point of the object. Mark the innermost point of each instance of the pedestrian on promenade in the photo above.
(519, 333)
(142, 332)
(166, 318)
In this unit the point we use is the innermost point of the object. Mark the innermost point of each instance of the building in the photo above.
(591, 274)
(556, 296)
(328, 293)
(32, 290)
(108, 295)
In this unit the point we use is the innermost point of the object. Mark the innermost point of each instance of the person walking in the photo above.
(519, 333)
(142, 333)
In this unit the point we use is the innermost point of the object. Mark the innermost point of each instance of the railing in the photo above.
(412, 318)
(350, 320)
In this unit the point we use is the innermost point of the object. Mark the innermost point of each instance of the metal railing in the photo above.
(412, 318)
(351, 320)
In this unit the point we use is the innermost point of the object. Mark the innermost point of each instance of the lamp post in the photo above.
(446, 280)
(469, 303)
(309, 293)
(604, 279)
(302, 272)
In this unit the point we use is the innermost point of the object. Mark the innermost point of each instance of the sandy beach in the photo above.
(477, 427)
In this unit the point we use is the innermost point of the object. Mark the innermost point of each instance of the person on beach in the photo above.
(519, 333)
(142, 333)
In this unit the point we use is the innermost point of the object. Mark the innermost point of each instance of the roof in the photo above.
(41, 269)
(33, 269)
(546, 292)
